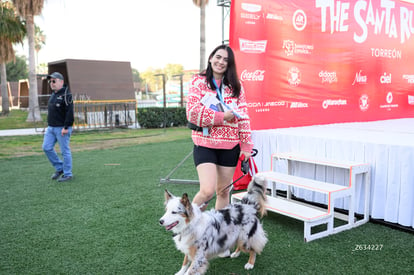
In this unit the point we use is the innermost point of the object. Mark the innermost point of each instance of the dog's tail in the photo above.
(256, 194)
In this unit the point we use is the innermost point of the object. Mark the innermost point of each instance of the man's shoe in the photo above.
(64, 178)
(56, 175)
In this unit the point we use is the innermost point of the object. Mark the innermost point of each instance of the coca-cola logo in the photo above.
(257, 75)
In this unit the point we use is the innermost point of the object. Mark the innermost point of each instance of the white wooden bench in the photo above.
(310, 214)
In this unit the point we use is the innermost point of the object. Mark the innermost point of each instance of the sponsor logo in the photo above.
(251, 7)
(266, 104)
(360, 78)
(328, 77)
(333, 102)
(249, 46)
(364, 103)
(250, 13)
(294, 76)
(250, 16)
(254, 104)
(299, 20)
(409, 78)
(275, 103)
(257, 75)
(272, 16)
(291, 48)
(411, 99)
(298, 105)
(385, 79)
(389, 98)
(264, 107)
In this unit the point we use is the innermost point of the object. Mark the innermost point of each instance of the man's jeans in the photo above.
(53, 135)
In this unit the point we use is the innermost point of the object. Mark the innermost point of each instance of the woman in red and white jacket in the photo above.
(220, 137)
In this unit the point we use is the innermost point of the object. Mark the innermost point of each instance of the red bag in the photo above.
(241, 181)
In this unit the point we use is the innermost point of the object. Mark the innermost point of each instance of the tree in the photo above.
(153, 82)
(135, 75)
(173, 69)
(202, 5)
(150, 80)
(12, 30)
(40, 40)
(28, 9)
(17, 69)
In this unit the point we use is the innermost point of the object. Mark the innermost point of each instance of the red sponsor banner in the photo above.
(313, 62)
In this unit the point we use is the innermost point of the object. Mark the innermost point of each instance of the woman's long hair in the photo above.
(230, 78)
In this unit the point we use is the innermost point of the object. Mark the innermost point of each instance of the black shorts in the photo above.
(222, 157)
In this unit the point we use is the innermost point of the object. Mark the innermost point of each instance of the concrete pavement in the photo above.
(21, 132)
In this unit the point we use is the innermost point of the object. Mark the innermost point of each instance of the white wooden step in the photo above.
(290, 208)
(361, 167)
(304, 183)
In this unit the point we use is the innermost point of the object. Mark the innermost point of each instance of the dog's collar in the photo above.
(177, 234)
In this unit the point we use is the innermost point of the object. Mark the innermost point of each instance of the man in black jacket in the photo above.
(60, 120)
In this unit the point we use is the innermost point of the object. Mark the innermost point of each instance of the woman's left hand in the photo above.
(228, 115)
(247, 155)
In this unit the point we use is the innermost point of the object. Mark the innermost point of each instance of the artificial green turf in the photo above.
(105, 221)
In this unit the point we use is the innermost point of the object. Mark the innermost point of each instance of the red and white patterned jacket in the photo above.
(222, 134)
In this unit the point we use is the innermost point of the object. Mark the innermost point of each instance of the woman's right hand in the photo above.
(228, 115)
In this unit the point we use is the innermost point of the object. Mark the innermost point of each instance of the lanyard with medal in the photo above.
(220, 92)
(220, 97)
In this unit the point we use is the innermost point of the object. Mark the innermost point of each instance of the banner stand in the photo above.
(167, 179)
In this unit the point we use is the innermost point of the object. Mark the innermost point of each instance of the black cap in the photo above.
(55, 75)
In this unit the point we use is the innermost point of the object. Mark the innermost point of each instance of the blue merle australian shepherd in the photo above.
(204, 235)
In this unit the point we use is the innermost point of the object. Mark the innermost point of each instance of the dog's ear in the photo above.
(187, 204)
(167, 195)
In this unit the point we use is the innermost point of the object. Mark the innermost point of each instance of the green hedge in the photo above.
(154, 117)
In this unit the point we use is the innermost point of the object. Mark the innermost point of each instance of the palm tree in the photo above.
(12, 30)
(28, 9)
(202, 5)
(40, 39)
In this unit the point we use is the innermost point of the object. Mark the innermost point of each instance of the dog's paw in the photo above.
(182, 271)
(235, 254)
(224, 254)
(248, 266)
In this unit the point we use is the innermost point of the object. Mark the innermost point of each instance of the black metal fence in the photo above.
(94, 114)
